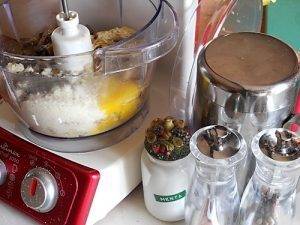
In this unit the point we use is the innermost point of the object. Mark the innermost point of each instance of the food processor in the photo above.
(112, 86)
(42, 173)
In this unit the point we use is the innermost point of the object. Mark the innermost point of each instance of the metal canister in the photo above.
(246, 81)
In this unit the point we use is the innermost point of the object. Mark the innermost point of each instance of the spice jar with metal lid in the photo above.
(269, 198)
(213, 198)
(246, 81)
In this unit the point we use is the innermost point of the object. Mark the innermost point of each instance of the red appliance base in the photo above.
(76, 184)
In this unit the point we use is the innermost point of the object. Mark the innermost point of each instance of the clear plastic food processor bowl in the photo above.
(54, 100)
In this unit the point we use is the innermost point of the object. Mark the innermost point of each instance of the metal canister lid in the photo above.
(248, 73)
(218, 142)
(280, 145)
(250, 60)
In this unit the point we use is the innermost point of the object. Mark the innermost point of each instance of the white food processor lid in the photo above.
(209, 20)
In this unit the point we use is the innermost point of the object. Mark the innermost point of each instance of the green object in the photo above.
(283, 21)
(170, 198)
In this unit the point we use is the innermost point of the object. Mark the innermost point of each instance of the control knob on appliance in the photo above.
(39, 190)
(3, 172)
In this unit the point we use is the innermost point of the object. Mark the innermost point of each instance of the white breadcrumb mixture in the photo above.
(15, 67)
(19, 68)
(29, 69)
(47, 72)
(70, 110)
(65, 111)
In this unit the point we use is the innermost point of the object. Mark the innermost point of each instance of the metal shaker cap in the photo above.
(217, 143)
(280, 144)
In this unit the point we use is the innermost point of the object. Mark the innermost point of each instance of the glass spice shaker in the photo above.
(213, 197)
(269, 198)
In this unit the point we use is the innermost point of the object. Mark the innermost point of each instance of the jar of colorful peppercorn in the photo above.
(167, 167)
